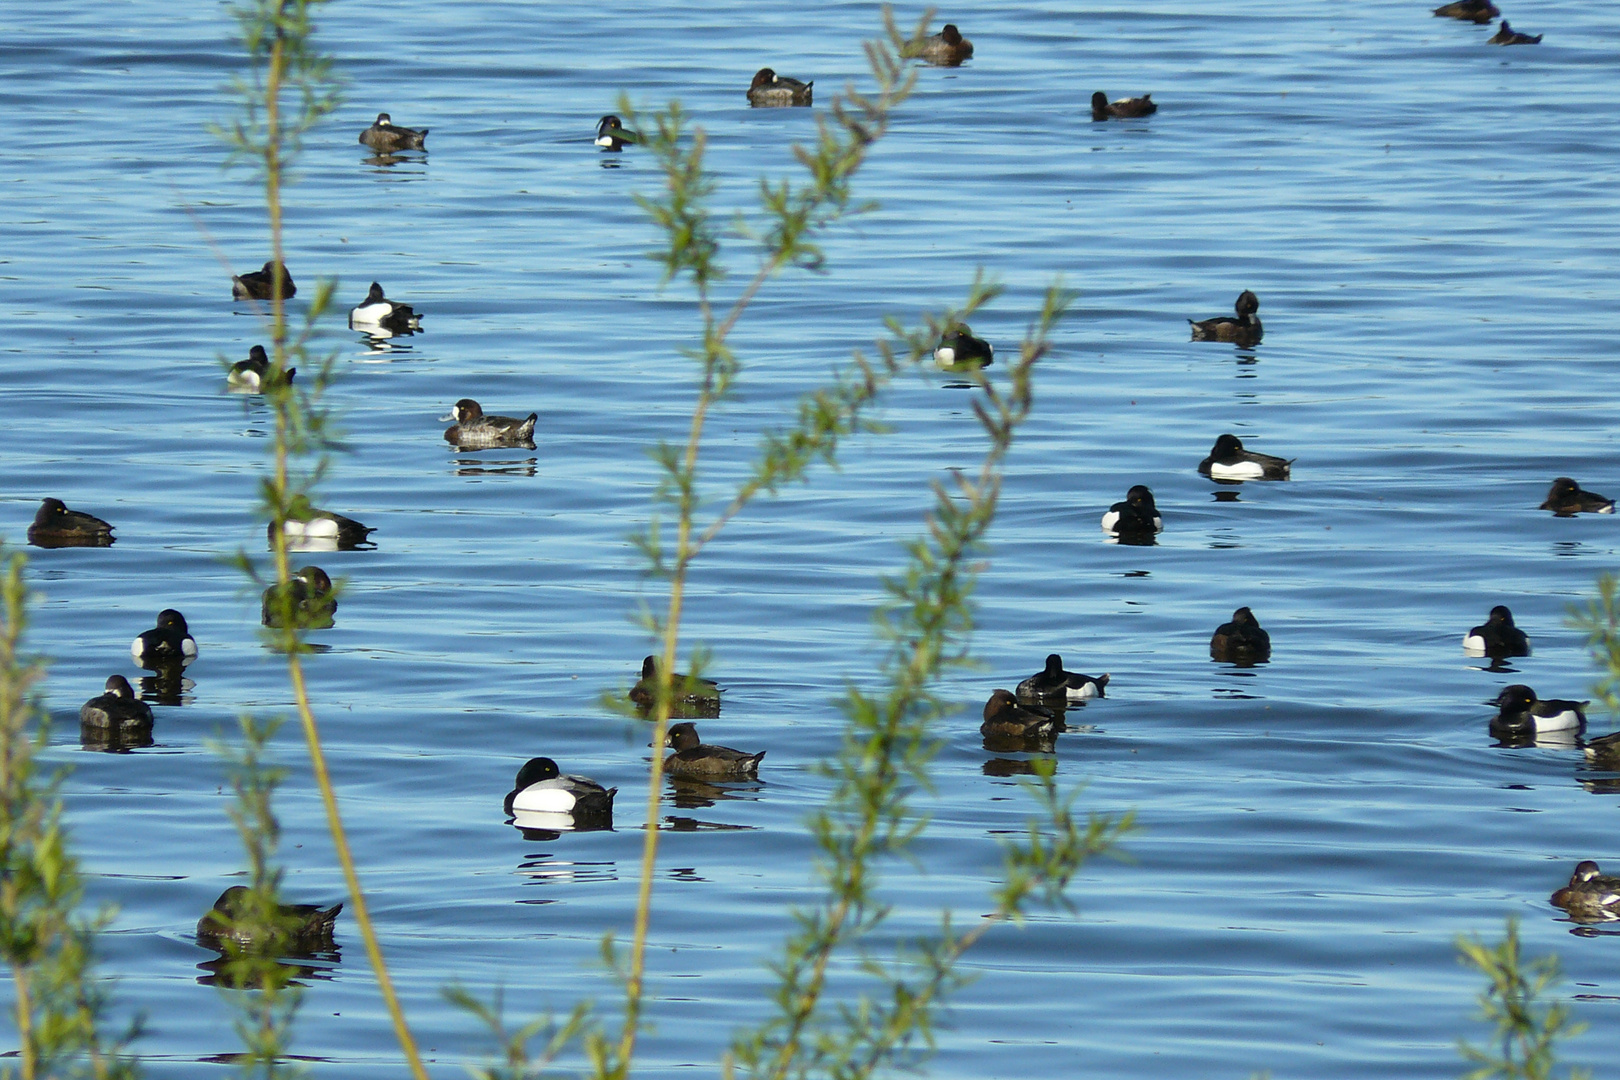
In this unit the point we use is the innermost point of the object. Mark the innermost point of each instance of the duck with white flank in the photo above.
(541, 788)
(1229, 461)
(255, 284)
(1243, 330)
(379, 312)
(384, 136)
(1241, 641)
(611, 134)
(475, 431)
(253, 375)
(694, 759)
(1522, 716)
(770, 90)
(1591, 895)
(310, 529)
(55, 526)
(1134, 520)
(1123, 108)
(1566, 498)
(1497, 637)
(1054, 686)
(167, 645)
(959, 348)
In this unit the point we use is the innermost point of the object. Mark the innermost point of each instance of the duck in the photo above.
(252, 376)
(686, 689)
(308, 592)
(303, 928)
(1241, 641)
(1506, 35)
(1522, 715)
(958, 346)
(770, 89)
(117, 710)
(1003, 715)
(1123, 108)
(311, 529)
(1566, 498)
(379, 311)
(1243, 330)
(541, 787)
(255, 284)
(1497, 636)
(1475, 11)
(475, 431)
(165, 645)
(694, 759)
(1590, 894)
(1136, 516)
(948, 48)
(384, 136)
(611, 134)
(56, 526)
(1604, 751)
(1054, 686)
(1228, 460)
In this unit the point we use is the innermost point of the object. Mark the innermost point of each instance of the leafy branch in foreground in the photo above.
(278, 37)
(1526, 1030)
(1600, 619)
(47, 945)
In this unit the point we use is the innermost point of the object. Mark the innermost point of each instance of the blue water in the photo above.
(1431, 228)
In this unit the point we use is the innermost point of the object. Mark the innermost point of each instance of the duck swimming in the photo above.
(1590, 895)
(1604, 751)
(1122, 108)
(117, 711)
(1474, 11)
(770, 90)
(948, 48)
(310, 529)
(1506, 35)
(541, 787)
(694, 759)
(385, 136)
(1004, 716)
(1054, 686)
(308, 594)
(685, 689)
(55, 526)
(255, 284)
(1243, 330)
(1566, 498)
(303, 928)
(958, 346)
(1522, 716)
(167, 645)
(475, 431)
(1241, 641)
(1136, 517)
(379, 311)
(252, 376)
(611, 134)
(1228, 460)
(1497, 637)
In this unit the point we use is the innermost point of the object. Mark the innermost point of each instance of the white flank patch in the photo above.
(1110, 521)
(545, 797)
(1243, 470)
(1568, 720)
(1474, 645)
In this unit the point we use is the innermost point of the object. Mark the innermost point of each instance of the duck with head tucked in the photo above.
(1506, 35)
(1243, 330)
(1004, 716)
(1121, 108)
(1241, 641)
(694, 759)
(256, 284)
(385, 137)
(475, 431)
(1566, 498)
(1229, 461)
(1497, 637)
(293, 928)
(1054, 686)
(255, 375)
(308, 528)
(770, 90)
(1474, 11)
(307, 597)
(948, 48)
(1591, 895)
(611, 134)
(55, 526)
